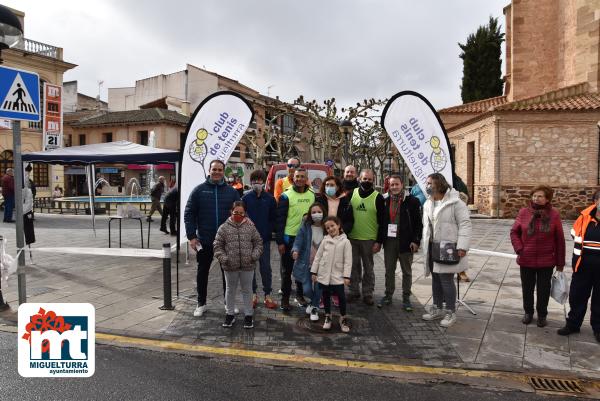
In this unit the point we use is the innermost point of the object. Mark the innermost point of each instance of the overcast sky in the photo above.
(347, 49)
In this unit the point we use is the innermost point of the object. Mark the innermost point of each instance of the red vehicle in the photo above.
(316, 174)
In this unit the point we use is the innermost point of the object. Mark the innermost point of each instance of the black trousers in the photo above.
(328, 291)
(169, 213)
(204, 257)
(542, 278)
(585, 282)
(287, 265)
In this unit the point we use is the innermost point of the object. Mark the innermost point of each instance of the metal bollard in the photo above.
(167, 278)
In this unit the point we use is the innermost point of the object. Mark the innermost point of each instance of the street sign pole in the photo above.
(16, 127)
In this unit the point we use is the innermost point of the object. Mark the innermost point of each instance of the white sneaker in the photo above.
(199, 311)
(236, 310)
(327, 324)
(309, 309)
(449, 319)
(314, 315)
(433, 313)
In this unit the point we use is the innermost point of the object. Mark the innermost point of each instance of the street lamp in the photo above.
(346, 128)
(11, 31)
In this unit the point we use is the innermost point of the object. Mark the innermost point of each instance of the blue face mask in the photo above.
(330, 191)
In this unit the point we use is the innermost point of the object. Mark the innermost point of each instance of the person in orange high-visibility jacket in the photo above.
(586, 270)
(282, 184)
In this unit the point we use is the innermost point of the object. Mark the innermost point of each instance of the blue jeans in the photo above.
(265, 270)
(9, 205)
(313, 291)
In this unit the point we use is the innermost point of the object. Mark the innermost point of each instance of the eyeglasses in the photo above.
(238, 213)
(291, 165)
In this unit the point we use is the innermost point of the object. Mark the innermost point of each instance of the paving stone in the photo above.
(504, 343)
(546, 358)
(468, 328)
(507, 322)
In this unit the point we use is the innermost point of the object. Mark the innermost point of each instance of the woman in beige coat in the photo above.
(447, 235)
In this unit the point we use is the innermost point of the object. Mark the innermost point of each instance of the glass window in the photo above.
(40, 175)
(6, 161)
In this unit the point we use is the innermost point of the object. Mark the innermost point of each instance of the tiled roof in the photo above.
(480, 106)
(129, 117)
(584, 101)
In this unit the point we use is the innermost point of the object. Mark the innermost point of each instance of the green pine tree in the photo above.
(482, 63)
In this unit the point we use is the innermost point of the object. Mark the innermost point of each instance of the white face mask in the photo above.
(317, 217)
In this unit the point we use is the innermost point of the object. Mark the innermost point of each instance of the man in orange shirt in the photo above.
(284, 183)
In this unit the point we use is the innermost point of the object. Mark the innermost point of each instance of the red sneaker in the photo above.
(269, 303)
(254, 301)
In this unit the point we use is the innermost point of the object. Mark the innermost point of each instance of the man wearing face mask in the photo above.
(350, 182)
(366, 237)
(293, 205)
(404, 227)
(261, 208)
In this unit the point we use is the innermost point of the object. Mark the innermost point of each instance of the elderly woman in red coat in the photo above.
(538, 240)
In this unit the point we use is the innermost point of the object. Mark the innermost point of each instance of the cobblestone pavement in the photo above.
(127, 294)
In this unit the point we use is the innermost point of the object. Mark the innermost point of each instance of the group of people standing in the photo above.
(327, 240)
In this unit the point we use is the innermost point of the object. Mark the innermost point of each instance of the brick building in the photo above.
(47, 61)
(545, 128)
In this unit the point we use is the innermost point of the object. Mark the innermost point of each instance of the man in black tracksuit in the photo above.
(404, 228)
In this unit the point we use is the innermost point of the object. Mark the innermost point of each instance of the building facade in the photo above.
(545, 128)
(47, 61)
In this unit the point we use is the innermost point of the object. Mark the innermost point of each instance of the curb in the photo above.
(478, 377)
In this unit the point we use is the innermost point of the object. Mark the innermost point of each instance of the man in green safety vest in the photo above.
(293, 204)
(366, 237)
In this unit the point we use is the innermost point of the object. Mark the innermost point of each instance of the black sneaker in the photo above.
(229, 320)
(565, 331)
(301, 302)
(248, 322)
(385, 301)
(4, 307)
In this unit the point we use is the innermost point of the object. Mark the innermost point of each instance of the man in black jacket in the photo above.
(155, 194)
(404, 229)
(170, 211)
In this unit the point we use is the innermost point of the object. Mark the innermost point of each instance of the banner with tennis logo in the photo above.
(213, 133)
(419, 135)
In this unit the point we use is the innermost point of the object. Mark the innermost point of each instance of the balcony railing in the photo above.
(31, 46)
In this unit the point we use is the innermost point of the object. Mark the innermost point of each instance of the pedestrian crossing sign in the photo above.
(19, 95)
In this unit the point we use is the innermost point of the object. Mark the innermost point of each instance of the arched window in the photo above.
(6, 161)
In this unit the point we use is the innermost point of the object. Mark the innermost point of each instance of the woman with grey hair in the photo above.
(446, 234)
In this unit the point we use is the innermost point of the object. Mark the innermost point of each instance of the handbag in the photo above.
(445, 252)
(559, 290)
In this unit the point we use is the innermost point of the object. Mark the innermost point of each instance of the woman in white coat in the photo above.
(447, 232)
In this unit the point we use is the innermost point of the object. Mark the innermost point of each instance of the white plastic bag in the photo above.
(560, 288)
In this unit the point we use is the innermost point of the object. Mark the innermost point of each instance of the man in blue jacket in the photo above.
(208, 207)
(260, 207)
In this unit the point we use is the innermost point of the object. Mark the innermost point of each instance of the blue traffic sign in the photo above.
(19, 95)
